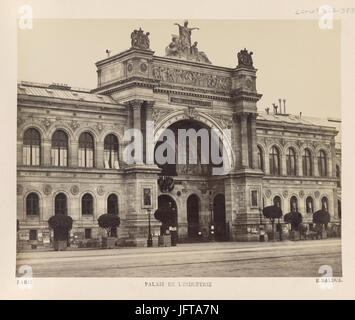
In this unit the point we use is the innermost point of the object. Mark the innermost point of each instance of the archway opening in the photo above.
(168, 214)
(193, 208)
(219, 218)
(199, 144)
(61, 207)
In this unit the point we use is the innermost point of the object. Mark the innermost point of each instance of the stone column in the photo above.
(244, 140)
(315, 166)
(299, 165)
(99, 158)
(253, 141)
(283, 169)
(136, 107)
(149, 110)
(149, 140)
(46, 153)
(236, 140)
(332, 161)
(73, 154)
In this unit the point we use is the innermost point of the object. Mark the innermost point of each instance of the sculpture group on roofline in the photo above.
(180, 46)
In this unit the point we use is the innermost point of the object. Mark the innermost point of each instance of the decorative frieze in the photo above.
(194, 78)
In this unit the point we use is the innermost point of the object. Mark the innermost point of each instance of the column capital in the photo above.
(136, 103)
(149, 104)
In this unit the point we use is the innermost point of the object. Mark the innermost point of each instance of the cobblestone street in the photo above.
(218, 259)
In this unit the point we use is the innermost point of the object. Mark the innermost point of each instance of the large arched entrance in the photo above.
(219, 218)
(189, 153)
(168, 214)
(193, 208)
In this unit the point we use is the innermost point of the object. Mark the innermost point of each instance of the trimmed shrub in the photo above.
(108, 221)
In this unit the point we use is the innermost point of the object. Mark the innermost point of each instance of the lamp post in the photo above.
(150, 240)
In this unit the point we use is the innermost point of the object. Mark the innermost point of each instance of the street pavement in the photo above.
(216, 259)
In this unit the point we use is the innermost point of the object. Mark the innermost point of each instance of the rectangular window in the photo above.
(35, 155)
(54, 157)
(33, 234)
(89, 158)
(254, 198)
(27, 155)
(81, 157)
(87, 233)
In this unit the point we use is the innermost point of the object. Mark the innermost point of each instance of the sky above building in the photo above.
(296, 60)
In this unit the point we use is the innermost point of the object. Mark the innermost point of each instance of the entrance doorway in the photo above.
(193, 208)
(61, 208)
(219, 218)
(168, 216)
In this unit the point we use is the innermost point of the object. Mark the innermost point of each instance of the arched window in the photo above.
(325, 206)
(337, 172)
(307, 163)
(87, 204)
(111, 152)
(322, 164)
(60, 204)
(293, 204)
(59, 149)
(86, 150)
(291, 162)
(309, 205)
(32, 204)
(31, 147)
(277, 202)
(112, 204)
(260, 159)
(274, 161)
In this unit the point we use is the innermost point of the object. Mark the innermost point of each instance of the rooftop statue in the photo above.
(244, 59)
(140, 40)
(180, 46)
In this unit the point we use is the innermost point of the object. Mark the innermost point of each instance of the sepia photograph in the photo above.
(191, 152)
(177, 151)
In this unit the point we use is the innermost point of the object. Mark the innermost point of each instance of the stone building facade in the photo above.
(70, 146)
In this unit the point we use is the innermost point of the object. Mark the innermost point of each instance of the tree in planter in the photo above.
(166, 216)
(61, 224)
(321, 218)
(108, 221)
(272, 213)
(294, 218)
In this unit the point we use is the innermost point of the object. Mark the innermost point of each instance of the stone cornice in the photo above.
(125, 84)
(126, 53)
(180, 62)
(62, 105)
(21, 98)
(192, 92)
(296, 128)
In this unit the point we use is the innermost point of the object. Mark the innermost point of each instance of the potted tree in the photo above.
(61, 224)
(321, 218)
(294, 218)
(108, 221)
(165, 216)
(272, 213)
